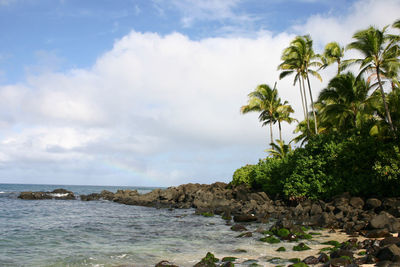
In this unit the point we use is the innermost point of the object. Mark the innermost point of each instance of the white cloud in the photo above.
(155, 110)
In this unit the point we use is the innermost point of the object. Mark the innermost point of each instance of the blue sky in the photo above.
(38, 35)
(148, 92)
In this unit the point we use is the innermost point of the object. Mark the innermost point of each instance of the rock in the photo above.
(323, 258)
(338, 262)
(245, 218)
(378, 233)
(342, 253)
(208, 261)
(373, 203)
(388, 253)
(389, 241)
(357, 202)
(315, 209)
(61, 194)
(385, 220)
(246, 234)
(238, 228)
(311, 260)
(165, 264)
(326, 219)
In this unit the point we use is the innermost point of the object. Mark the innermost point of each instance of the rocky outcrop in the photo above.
(55, 194)
(353, 214)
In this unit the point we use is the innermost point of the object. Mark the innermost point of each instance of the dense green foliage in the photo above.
(354, 146)
(328, 165)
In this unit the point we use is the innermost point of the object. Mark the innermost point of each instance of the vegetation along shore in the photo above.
(348, 142)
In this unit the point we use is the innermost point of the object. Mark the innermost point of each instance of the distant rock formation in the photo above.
(55, 194)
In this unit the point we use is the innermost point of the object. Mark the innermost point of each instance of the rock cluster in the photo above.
(373, 217)
(55, 194)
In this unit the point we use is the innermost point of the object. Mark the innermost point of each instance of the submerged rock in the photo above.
(55, 194)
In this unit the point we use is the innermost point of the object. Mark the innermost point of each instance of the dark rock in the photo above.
(357, 202)
(337, 262)
(389, 241)
(342, 252)
(385, 220)
(208, 261)
(246, 234)
(323, 258)
(238, 228)
(378, 233)
(165, 264)
(388, 253)
(55, 194)
(311, 260)
(373, 203)
(245, 218)
(315, 209)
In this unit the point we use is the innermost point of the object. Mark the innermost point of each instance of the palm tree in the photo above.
(264, 100)
(380, 54)
(300, 57)
(283, 112)
(293, 65)
(280, 150)
(333, 53)
(396, 24)
(344, 103)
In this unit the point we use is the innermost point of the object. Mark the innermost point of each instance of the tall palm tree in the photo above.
(300, 57)
(344, 103)
(293, 65)
(264, 100)
(380, 52)
(333, 52)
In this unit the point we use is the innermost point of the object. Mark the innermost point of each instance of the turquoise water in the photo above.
(103, 233)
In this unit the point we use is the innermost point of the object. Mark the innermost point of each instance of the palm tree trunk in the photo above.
(272, 139)
(389, 118)
(280, 130)
(302, 100)
(312, 106)
(305, 103)
(338, 66)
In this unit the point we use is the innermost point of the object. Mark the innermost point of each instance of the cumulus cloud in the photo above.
(154, 110)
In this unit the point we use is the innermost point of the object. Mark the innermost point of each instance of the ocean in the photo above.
(104, 233)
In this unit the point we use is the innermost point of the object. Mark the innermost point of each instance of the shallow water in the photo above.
(103, 233)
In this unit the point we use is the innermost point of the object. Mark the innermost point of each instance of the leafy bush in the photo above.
(242, 175)
(329, 165)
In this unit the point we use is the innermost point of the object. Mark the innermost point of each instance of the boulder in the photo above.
(388, 253)
(238, 228)
(378, 233)
(389, 241)
(311, 260)
(61, 194)
(245, 218)
(385, 221)
(165, 264)
(373, 203)
(357, 202)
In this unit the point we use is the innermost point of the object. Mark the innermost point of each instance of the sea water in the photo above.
(104, 233)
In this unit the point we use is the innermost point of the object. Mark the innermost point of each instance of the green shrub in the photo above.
(329, 165)
(243, 175)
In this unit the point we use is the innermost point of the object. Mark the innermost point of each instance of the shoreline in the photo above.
(368, 219)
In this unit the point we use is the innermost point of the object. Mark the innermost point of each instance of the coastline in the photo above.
(353, 217)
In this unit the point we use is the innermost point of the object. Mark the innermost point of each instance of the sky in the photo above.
(148, 92)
